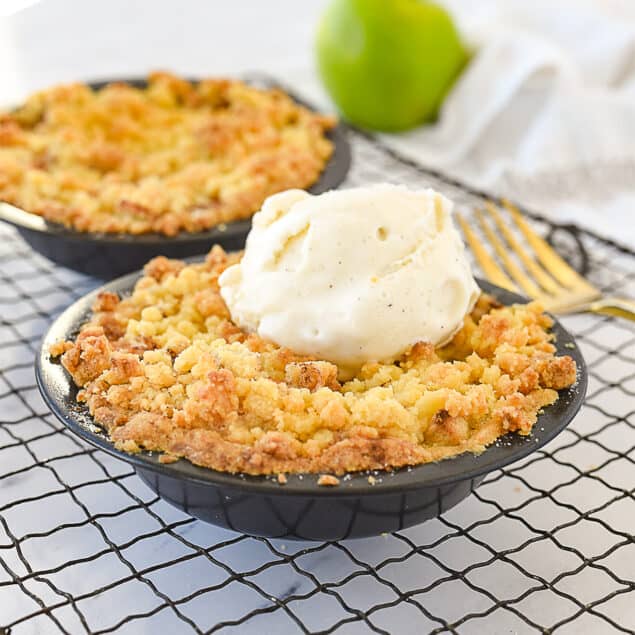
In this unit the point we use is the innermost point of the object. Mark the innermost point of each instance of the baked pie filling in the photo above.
(175, 156)
(166, 369)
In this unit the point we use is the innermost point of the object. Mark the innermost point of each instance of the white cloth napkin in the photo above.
(545, 111)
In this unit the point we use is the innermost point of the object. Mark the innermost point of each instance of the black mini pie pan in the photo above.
(301, 509)
(109, 255)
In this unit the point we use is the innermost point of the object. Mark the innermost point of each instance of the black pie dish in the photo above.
(300, 509)
(109, 255)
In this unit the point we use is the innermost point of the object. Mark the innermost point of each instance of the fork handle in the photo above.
(621, 307)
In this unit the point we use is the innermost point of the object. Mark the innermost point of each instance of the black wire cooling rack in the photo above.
(545, 545)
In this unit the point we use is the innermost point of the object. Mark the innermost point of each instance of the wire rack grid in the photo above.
(545, 545)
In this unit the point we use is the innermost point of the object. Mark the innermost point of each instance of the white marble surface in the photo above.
(57, 40)
(64, 40)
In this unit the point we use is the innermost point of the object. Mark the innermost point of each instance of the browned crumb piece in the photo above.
(372, 480)
(161, 266)
(312, 375)
(484, 305)
(88, 357)
(165, 369)
(168, 458)
(328, 480)
(132, 447)
(106, 317)
(422, 351)
(106, 301)
(557, 372)
(445, 429)
(59, 348)
(215, 400)
(282, 478)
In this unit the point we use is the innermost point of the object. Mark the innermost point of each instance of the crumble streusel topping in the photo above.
(173, 157)
(165, 369)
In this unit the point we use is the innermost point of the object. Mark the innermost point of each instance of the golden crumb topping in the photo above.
(175, 156)
(165, 369)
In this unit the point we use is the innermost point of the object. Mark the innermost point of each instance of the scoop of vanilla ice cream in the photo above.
(352, 276)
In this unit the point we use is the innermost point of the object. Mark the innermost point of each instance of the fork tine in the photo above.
(562, 271)
(515, 272)
(539, 274)
(493, 272)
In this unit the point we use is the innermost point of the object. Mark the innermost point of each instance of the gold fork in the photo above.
(544, 275)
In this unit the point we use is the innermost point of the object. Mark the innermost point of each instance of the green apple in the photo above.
(387, 64)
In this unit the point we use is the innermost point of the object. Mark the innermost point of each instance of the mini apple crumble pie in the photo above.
(175, 156)
(165, 369)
